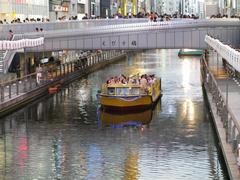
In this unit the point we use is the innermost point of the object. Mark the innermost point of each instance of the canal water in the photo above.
(66, 136)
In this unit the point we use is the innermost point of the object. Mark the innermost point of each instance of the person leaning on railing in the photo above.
(39, 74)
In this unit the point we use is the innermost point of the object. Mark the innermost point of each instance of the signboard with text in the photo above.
(81, 1)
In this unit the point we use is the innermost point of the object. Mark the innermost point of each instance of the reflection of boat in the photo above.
(190, 52)
(125, 119)
(129, 96)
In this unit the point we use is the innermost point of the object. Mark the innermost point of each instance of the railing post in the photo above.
(56, 72)
(17, 87)
(9, 91)
(24, 85)
(88, 61)
(2, 93)
(98, 57)
(61, 70)
(30, 81)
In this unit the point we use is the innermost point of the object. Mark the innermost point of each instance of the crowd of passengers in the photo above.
(144, 81)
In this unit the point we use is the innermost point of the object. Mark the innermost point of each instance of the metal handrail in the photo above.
(220, 92)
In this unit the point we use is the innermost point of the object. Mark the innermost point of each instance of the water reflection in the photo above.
(124, 119)
(58, 156)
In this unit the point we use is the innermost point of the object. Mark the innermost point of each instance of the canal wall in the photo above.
(223, 118)
(21, 99)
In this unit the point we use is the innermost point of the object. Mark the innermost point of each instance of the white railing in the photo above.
(12, 46)
(20, 44)
(225, 51)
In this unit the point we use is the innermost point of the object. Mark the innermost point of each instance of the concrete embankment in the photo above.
(228, 154)
(22, 99)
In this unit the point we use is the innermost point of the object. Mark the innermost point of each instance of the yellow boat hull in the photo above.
(129, 101)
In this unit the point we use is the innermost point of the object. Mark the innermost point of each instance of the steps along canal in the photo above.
(63, 136)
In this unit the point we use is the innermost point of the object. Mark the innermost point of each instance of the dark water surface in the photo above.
(64, 136)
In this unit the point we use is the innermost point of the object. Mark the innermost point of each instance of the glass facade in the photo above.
(24, 9)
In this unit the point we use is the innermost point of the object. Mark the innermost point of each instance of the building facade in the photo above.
(110, 8)
(59, 9)
(74, 9)
(168, 7)
(211, 8)
(22, 9)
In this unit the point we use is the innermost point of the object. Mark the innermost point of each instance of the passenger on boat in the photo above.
(124, 82)
(143, 83)
(131, 80)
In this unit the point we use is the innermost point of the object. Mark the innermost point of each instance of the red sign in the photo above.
(21, 1)
(65, 8)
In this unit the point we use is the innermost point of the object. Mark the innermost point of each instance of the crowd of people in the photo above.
(26, 20)
(152, 16)
(223, 16)
(144, 81)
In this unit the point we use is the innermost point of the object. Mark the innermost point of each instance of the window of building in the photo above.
(73, 7)
(80, 8)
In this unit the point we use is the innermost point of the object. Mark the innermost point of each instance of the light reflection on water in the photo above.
(63, 137)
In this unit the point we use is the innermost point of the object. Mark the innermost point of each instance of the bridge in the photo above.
(170, 34)
(124, 34)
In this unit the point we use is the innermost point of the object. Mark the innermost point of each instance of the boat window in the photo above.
(134, 91)
(111, 91)
(122, 91)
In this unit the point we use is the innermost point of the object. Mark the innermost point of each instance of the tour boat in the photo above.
(129, 96)
(190, 52)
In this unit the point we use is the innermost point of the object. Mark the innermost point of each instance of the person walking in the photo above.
(39, 74)
(10, 35)
(86, 16)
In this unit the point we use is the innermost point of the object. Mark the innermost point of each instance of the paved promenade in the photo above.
(230, 91)
(225, 83)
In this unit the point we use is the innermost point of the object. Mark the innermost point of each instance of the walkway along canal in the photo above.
(15, 93)
(223, 94)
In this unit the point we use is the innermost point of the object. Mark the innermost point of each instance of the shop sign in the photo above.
(57, 8)
(81, 1)
(65, 8)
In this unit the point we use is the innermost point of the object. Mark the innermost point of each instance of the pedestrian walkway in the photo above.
(7, 77)
(229, 85)
(223, 92)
